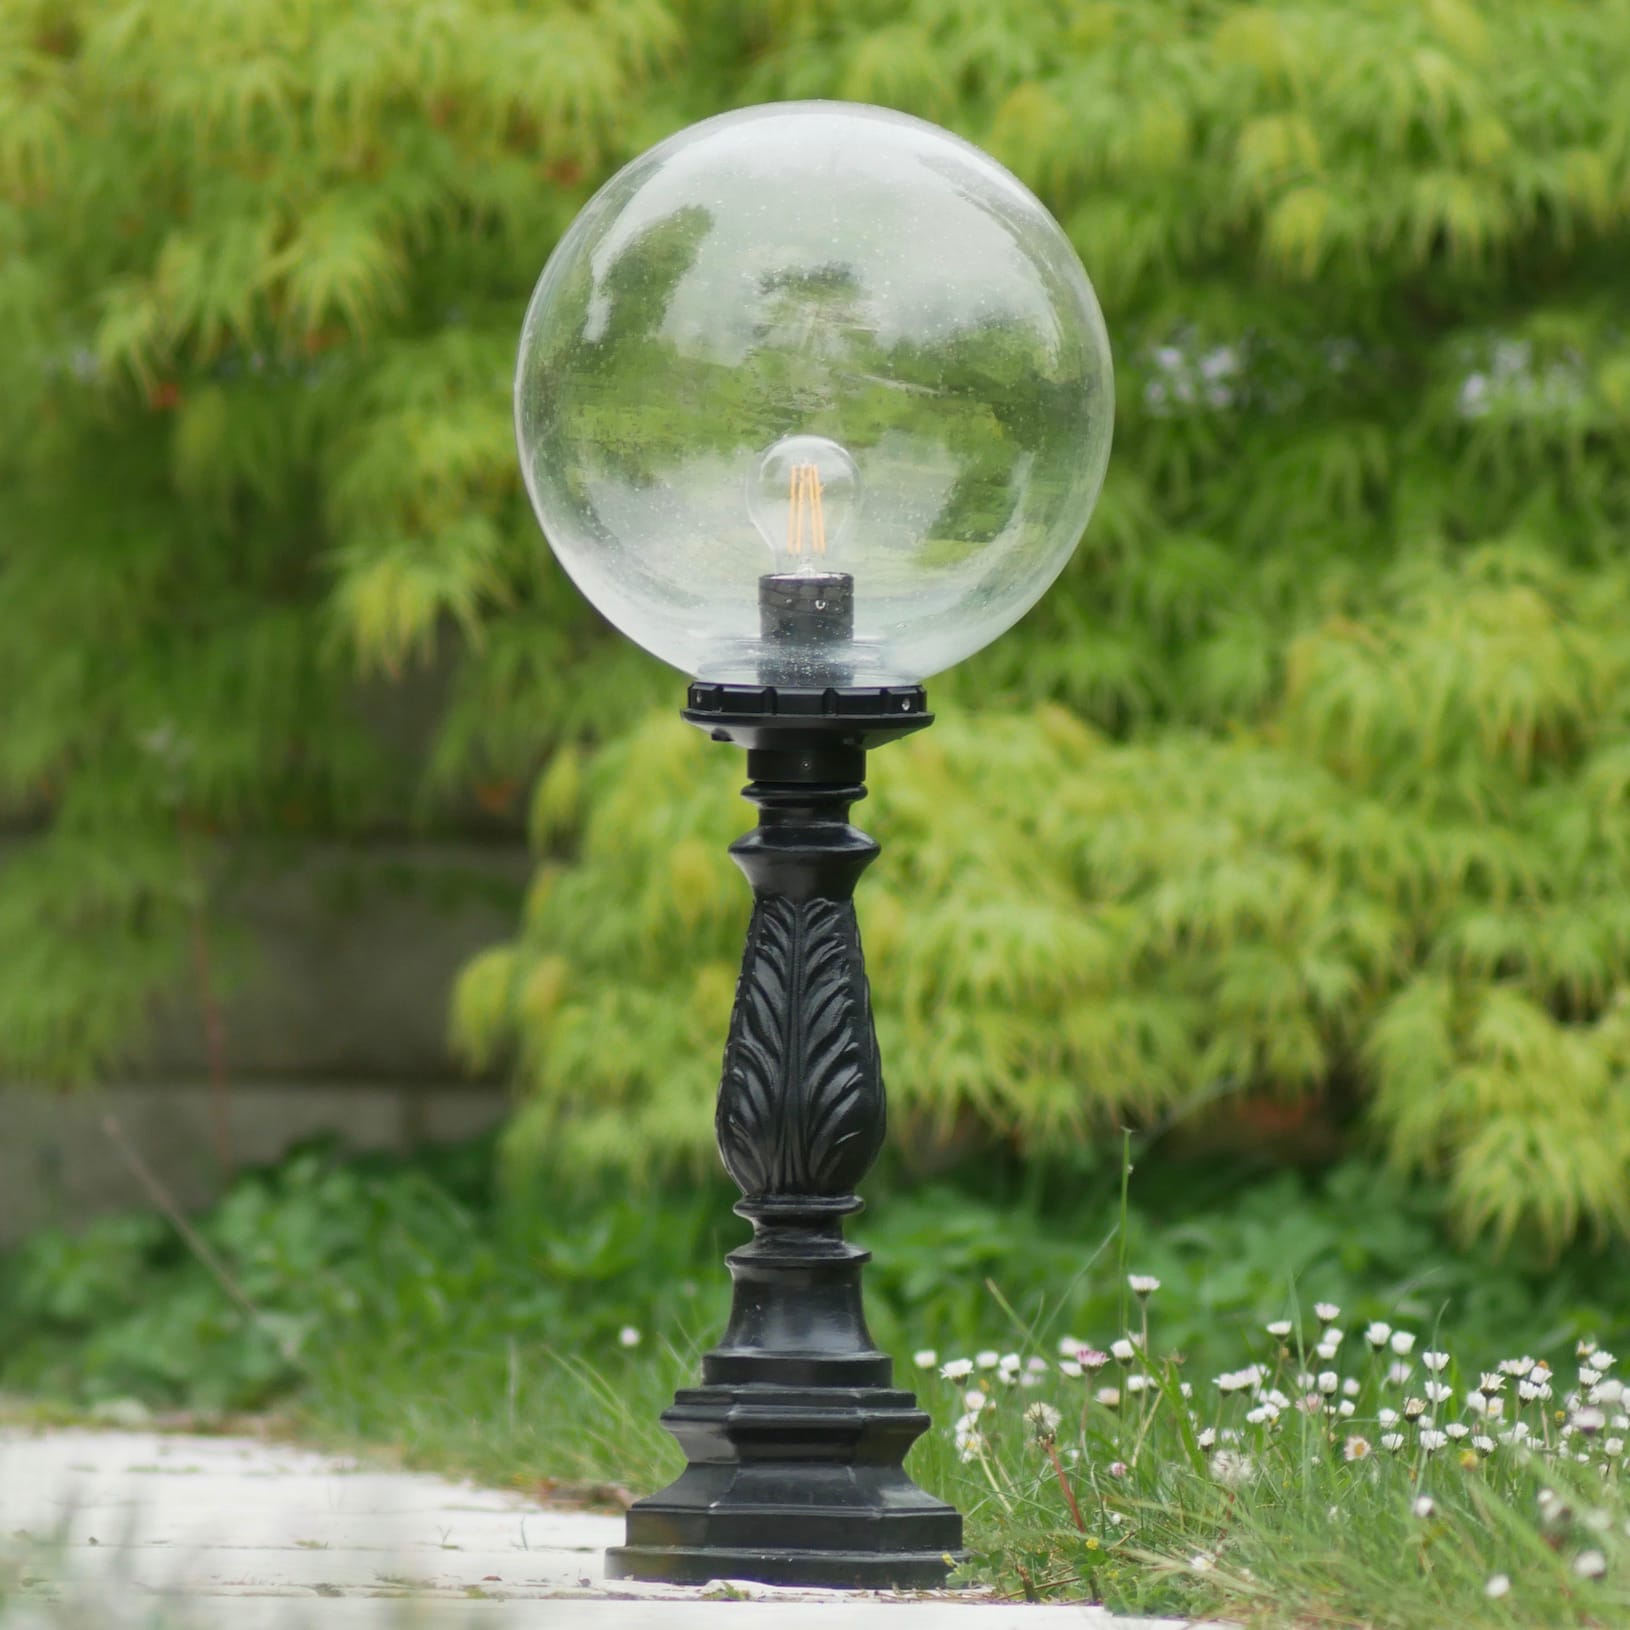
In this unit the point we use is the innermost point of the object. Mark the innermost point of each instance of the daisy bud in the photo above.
(1376, 1334)
(1109, 1397)
(1414, 1408)
(1499, 1585)
(1329, 1381)
(1326, 1350)
(628, 1336)
(1350, 1387)
(1346, 1407)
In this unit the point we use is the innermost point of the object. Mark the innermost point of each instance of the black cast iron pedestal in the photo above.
(796, 1437)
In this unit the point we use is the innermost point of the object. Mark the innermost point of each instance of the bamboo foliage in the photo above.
(1309, 776)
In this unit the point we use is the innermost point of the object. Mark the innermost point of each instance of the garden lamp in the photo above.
(813, 400)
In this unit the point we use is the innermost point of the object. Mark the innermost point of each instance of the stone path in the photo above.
(117, 1529)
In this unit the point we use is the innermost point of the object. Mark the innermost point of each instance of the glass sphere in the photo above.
(813, 393)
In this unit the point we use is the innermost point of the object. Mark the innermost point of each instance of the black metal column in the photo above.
(796, 1438)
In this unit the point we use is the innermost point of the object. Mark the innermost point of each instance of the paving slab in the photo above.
(126, 1531)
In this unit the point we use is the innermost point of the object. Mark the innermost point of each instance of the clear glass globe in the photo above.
(813, 393)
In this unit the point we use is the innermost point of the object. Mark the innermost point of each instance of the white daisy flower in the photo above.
(974, 1400)
(1231, 1469)
(1403, 1343)
(1068, 1366)
(1590, 1564)
(1457, 1430)
(1438, 1392)
(1400, 1373)
(925, 1359)
(1123, 1350)
(1376, 1333)
(1435, 1361)
(1392, 1442)
(987, 1360)
(1424, 1506)
(1143, 1285)
(1206, 1437)
(1326, 1312)
(959, 1369)
(1355, 1448)
(1432, 1440)
(1280, 1328)
(1483, 1445)
(1329, 1382)
(1499, 1585)
(1043, 1420)
(628, 1336)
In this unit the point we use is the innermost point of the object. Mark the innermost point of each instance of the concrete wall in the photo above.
(334, 969)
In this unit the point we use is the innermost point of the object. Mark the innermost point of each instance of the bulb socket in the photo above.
(800, 610)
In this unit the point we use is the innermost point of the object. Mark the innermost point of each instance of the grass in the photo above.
(428, 1323)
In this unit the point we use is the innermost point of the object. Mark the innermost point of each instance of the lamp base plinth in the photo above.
(793, 1486)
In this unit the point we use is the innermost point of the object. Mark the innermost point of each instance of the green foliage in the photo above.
(1308, 778)
(425, 1309)
(1304, 780)
(348, 1283)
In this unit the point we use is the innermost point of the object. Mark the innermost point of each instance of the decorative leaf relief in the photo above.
(801, 1101)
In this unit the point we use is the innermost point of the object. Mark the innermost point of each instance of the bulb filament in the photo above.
(806, 527)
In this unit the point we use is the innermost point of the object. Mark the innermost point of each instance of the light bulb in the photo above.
(802, 497)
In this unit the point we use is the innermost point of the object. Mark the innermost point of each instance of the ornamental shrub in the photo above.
(1308, 779)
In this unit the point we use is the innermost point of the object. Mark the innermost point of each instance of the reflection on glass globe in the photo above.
(836, 331)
